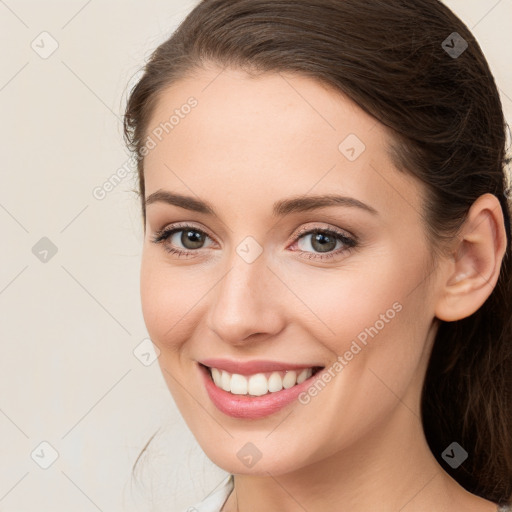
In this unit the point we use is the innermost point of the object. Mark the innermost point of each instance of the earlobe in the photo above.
(473, 270)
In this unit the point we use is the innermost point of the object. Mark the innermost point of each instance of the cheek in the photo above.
(347, 301)
(165, 302)
(371, 319)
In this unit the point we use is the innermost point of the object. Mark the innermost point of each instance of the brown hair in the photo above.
(444, 111)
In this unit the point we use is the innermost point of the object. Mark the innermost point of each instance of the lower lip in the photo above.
(252, 407)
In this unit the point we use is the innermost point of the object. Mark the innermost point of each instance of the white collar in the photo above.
(215, 501)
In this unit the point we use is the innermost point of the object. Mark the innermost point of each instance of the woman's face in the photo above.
(251, 286)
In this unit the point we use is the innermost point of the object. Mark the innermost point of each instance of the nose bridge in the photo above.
(244, 302)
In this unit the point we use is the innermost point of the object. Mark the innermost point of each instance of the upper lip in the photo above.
(252, 367)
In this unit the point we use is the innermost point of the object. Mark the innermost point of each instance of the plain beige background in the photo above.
(74, 371)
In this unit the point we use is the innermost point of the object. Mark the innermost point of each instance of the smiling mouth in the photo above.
(259, 384)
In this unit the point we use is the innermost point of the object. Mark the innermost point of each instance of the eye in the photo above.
(190, 237)
(324, 241)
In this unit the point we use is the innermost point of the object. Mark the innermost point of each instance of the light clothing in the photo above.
(215, 501)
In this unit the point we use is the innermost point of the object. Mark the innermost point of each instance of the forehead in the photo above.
(267, 137)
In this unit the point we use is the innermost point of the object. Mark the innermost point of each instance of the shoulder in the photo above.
(216, 499)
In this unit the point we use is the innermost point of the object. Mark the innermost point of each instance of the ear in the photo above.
(473, 269)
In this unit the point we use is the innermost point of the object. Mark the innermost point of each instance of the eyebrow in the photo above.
(280, 208)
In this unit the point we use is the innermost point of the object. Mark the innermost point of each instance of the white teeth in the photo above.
(216, 377)
(225, 381)
(258, 384)
(289, 379)
(275, 382)
(238, 384)
(303, 375)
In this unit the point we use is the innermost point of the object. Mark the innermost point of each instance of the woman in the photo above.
(326, 267)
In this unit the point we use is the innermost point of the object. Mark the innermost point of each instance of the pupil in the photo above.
(324, 241)
(192, 237)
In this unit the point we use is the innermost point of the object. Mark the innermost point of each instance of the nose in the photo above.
(247, 303)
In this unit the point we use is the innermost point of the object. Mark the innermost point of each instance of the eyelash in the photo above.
(163, 235)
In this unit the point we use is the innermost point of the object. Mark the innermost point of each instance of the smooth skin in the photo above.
(251, 141)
